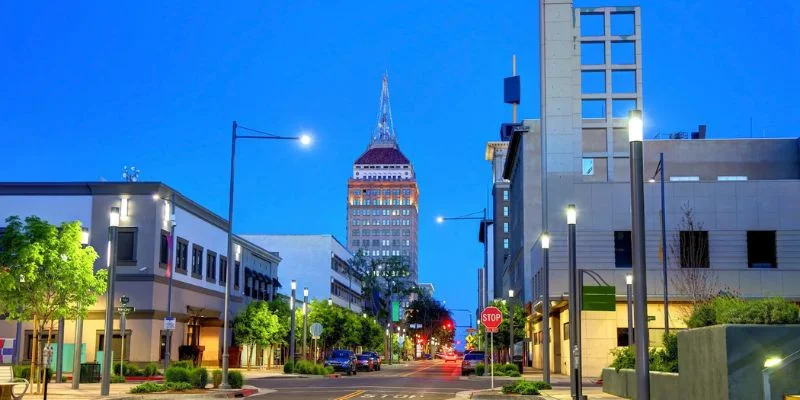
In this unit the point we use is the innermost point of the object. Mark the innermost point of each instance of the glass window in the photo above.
(694, 249)
(505, 230)
(223, 270)
(761, 249)
(588, 166)
(505, 243)
(197, 261)
(182, 255)
(505, 211)
(126, 246)
(236, 270)
(505, 195)
(163, 255)
(623, 256)
(211, 266)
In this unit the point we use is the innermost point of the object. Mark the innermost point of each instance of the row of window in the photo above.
(376, 211)
(380, 232)
(342, 291)
(378, 192)
(693, 249)
(386, 253)
(385, 222)
(384, 243)
(257, 285)
(381, 166)
(382, 202)
(383, 177)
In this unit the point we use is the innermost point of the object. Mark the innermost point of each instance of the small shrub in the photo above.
(509, 368)
(24, 371)
(198, 378)
(216, 378)
(522, 387)
(730, 310)
(177, 374)
(539, 385)
(328, 370)
(177, 386)
(117, 379)
(132, 370)
(235, 379)
(480, 368)
(304, 367)
(182, 364)
(623, 358)
(148, 387)
(288, 368)
(513, 374)
(150, 369)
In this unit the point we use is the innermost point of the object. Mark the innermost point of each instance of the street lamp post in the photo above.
(304, 140)
(628, 283)
(291, 319)
(169, 205)
(76, 355)
(511, 325)
(635, 136)
(485, 222)
(105, 386)
(546, 308)
(305, 319)
(574, 310)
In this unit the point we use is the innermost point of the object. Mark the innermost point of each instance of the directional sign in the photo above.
(400, 340)
(491, 317)
(599, 298)
(125, 309)
(169, 323)
(316, 330)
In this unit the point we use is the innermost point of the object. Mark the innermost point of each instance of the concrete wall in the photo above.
(725, 361)
(622, 383)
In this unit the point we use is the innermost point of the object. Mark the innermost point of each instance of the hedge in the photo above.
(731, 310)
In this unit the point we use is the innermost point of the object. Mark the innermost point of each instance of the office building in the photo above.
(319, 262)
(383, 197)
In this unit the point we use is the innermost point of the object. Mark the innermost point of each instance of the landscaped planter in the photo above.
(663, 385)
(725, 361)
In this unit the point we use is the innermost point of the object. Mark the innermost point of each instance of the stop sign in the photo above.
(491, 317)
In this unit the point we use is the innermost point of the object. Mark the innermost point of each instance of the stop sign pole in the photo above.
(491, 318)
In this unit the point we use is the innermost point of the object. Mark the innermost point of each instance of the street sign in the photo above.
(400, 340)
(125, 309)
(395, 311)
(599, 298)
(316, 330)
(124, 299)
(491, 317)
(169, 323)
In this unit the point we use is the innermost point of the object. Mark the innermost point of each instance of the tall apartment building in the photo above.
(319, 262)
(382, 196)
(739, 194)
(147, 250)
(501, 215)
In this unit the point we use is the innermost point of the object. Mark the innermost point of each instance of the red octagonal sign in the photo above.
(491, 318)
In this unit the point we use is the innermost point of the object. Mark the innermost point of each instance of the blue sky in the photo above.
(89, 87)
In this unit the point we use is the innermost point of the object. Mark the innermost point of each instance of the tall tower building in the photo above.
(382, 196)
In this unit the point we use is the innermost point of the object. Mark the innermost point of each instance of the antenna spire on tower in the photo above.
(384, 128)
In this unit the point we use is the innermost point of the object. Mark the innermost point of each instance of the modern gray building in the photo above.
(731, 205)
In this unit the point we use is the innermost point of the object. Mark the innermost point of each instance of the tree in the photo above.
(435, 319)
(280, 309)
(47, 274)
(689, 249)
(255, 326)
(500, 341)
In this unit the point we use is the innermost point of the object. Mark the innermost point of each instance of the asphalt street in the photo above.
(432, 380)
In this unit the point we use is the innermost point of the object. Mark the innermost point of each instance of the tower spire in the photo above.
(383, 133)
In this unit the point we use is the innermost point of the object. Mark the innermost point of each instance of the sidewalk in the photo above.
(120, 391)
(559, 393)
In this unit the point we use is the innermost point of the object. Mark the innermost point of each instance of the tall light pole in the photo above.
(546, 307)
(660, 172)
(485, 222)
(169, 218)
(628, 283)
(574, 310)
(305, 319)
(113, 224)
(635, 136)
(76, 355)
(291, 319)
(511, 324)
(304, 140)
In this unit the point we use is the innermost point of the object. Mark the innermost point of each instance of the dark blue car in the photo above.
(342, 360)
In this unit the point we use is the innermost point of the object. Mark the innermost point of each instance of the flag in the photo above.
(6, 350)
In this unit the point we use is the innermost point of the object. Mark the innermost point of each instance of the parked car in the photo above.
(376, 359)
(426, 356)
(365, 362)
(342, 360)
(471, 359)
(449, 357)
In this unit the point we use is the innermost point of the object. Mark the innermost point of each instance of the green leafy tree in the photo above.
(279, 308)
(254, 326)
(46, 274)
(500, 341)
(435, 319)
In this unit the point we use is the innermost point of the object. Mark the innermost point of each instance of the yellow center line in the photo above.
(350, 395)
(414, 372)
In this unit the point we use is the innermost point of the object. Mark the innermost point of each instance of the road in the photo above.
(430, 380)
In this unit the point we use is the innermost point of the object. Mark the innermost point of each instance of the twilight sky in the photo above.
(89, 87)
